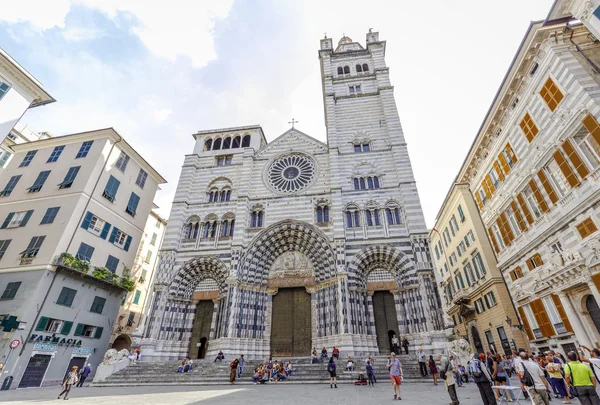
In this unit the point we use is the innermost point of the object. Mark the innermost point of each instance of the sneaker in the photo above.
(395, 397)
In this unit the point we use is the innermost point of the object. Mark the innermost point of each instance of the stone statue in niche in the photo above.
(291, 264)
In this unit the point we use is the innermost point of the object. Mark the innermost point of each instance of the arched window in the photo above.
(257, 219)
(224, 195)
(227, 226)
(246, 141)
(393, 215)
(228, 195)
(217, 144)
(207, 144)
(362, 183)
(323, 213)
(356, 184)
(236, 142)
(213, 196)
(352, 217)
(191, 229)
(227, 143)
(340, 70)
(365, 67)
(346, 69)
(210, 228)
(376, 181)
(372, 216)
(358, 68)
(370, 182)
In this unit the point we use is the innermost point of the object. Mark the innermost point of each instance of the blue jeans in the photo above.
(240, 369)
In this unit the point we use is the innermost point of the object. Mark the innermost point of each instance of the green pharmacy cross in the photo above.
(9, 323)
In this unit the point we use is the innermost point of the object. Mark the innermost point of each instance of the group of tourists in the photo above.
(273, 371)
(185, 366)
(397, 342)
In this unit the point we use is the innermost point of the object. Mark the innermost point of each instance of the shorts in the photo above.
(332, 374)
(500, 378)
(396, 379)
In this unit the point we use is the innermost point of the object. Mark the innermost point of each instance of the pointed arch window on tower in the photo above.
(372, 216)
(322, 213)
(236, 142)
(246, 141)
(358, 68)
(340, 70)
(227, 143)
(256, 219)
(362, 147)
(210, 228)
(352, 217)
(191, 229)
(227, 226)
(207, 144)
(346, 70)
(371, 182)
(217, 144)
(393, 215)
(365, 67)
(213, 196)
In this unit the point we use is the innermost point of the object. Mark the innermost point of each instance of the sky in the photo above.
(160, 71)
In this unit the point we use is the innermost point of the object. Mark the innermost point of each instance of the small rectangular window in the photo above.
(85, 148)
(85, 252)
(50, 215)
(88, 331)
(153, 240)
(10, 186)
(4, 88)
(33, 248)
(132, 205)
(55, 154)
(98, 305)
(148, 256)
(122, 162)
(39, 182)
(17, 219)
(141, 178)
(110, 191)
(586, 228)
(112, 263)
(136, 298)
(11, 290)
(70, 177)
(461, 214)
(131, 319)
(66, 297)
(120, 238)
(224, 160)
(28, 158)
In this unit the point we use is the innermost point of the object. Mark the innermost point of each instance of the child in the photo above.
(370, 373)
(256, 377)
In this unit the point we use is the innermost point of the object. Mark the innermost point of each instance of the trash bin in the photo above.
(7, 382)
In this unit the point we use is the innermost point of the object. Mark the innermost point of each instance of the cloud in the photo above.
(183, 28)
(162, 114)
(77, 34)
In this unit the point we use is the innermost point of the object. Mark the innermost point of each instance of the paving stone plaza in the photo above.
(412, 393)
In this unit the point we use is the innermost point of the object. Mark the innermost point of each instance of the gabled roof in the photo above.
(281, 138)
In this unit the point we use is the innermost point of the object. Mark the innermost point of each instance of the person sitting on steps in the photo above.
(220, 356)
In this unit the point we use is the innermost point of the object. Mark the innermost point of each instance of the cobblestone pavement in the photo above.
(412, 393)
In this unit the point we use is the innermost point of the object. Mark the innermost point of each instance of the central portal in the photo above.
(201, 329)
(386, 320)
(291, 333)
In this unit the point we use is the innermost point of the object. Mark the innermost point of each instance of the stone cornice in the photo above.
(25, 80)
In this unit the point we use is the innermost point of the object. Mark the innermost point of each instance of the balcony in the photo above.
(461, 297)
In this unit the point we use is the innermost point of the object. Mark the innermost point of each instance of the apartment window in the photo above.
(452, 259)
(95, 225)
(512, 220)
(469, 275)
(148, 256)
(153, 240)
(355, 89)
(516, 274)
(482, 196)
(157, 223)
(437, 252)
(122, 162)
(461, 214)
(4, 156)
(352, 218)
(141, 178)
(532, 202)
(51, 325)
(84, 149)
(4, 246)
(120, 238)
(490, 338)
(110, 191)
(224, 160)
(498, 236)
(490, 299)
(554, 316)
(143, 276)
(39, 182)
(494, 177)
(446, 235)
(132, 205)
(10, 186)
(98, 305)
(50, 215)
(586, 228)
(479, 307)
(361, 147)
(460, 249)
(17, 219)
(10, 291)
(136, 297)
(459, 281)
(4, 88)
(85, 252)
(534, 261)
(453, 225)
(70, 177)
(529, 128)
(66, 297)
(478, 264)
(551, 94)
(469, 238)
(55, 154)
(509, 156)
(589, 147)
(112, 263)
(90, 331)
(131, 318)
(28, 158)
(446, 267)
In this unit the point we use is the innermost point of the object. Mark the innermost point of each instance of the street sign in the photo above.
(15, 343)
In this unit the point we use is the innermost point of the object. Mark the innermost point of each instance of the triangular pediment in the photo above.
(293, 141)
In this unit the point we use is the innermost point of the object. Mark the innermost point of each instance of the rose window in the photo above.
(291, 173)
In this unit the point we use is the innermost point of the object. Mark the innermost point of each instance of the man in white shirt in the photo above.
(540, 387)
(455, 370)
(422, 364)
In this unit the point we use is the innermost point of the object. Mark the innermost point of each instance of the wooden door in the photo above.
(291, 333)
(201, 328)
(386, 320)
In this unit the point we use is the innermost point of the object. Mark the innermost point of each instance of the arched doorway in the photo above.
(386, 320)
(476, 340)
(122, 342)
(592, 307)
(291, 323)
(201, 329)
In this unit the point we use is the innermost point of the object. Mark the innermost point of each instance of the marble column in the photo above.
(427, 313)
(574, 319)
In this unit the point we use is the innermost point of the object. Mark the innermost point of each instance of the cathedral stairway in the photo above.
(210, 373)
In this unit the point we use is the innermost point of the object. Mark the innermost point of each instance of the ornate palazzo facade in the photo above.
(275, 248)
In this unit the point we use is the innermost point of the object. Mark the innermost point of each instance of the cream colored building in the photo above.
(475, 295)
(534, 170)
(134, 307)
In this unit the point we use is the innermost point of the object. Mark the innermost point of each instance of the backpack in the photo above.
(477, 373)
(527, 379)
(330, 367)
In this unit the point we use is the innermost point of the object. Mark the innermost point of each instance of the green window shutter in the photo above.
(67, 325)
(42, 323)
(98, 333)
(79, 329)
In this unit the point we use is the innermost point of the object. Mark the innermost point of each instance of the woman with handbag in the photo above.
(70, 379)
(447, 375)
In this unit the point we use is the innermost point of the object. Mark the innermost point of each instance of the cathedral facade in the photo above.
(276, 248)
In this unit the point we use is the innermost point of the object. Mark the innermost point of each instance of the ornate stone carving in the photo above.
(461, 349)
(112, 356)
(291, 264)
(272, 291)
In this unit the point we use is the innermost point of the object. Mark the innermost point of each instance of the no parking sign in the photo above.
(15, 343)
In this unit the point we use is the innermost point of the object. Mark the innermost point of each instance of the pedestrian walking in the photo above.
(331, 367)
(580, 376)
(240, 367)
(447, 375)
(370, 373)
(396, 344)
(233, 370)
(70, 379)
(422, 364)
(83, 375)
(483, 379)
(433, 369)
(405, 345)
(532, 376)
(396, 375)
